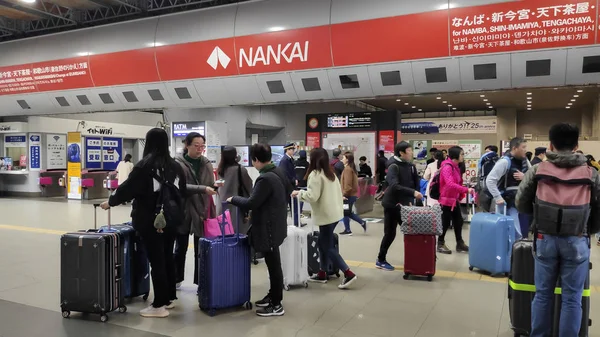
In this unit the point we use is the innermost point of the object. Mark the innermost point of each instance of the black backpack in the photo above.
(169, 204)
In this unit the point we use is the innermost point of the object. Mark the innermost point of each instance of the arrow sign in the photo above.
(111, 156)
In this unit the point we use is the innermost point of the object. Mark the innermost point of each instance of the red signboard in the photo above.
(386, 141)
(62, 74)
(313, 139)
(127, 67)
(522, 25)
(17, 80)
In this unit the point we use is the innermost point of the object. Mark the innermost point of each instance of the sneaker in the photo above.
(384, 266)
(348, 233)
(364, 226)
(443, 249)
(265, 302)
(318, 278)
(178, 285)
(271, 310)
(347, 281)
(462, 248)
(171, 305)
(155, 312)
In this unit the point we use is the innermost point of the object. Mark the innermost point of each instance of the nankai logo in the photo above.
(274, 54)
(217, 57)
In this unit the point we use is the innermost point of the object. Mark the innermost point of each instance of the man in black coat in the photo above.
(268, 224)
(287, 165)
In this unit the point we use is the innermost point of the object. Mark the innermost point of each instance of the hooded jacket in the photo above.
(451, 184)
(403, 180)
(565, 160)
(196, 200)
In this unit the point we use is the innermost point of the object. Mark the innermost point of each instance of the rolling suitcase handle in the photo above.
(96, 216)
(294, 215)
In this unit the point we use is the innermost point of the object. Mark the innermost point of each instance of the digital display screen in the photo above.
(276, 154)
(350, 121)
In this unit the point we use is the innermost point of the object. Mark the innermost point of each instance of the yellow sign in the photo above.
(74, 165)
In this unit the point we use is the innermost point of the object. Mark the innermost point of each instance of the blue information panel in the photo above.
(93, 152)
(35, 152)
(112, 150)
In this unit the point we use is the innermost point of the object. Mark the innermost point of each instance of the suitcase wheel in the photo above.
(145, 297)
(66, 314)
(123, 309)
(103, 318)
(429, 278)
(248, 305)
(306, 286)
(255, 262)
(286, 287)
(212, 312)
(471, 268)
(337, 274)
(406, 275)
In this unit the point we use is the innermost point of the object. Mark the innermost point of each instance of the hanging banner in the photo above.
(93, 152)
(112, 152)
(74, 165)
(449, 125)
(35, 155)
(56, 152)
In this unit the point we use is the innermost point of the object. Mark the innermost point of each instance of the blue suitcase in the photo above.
(491, 237)
(224, 272)
(136, 266)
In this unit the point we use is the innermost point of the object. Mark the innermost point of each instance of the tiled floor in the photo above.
(457, 303)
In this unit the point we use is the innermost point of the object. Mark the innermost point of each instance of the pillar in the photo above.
(506, 124)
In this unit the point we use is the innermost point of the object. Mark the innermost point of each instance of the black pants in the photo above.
(159, 247)
(181, 247)
(391, 220)
(454, 217)
(273, 262)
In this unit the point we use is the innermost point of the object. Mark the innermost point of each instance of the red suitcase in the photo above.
(419, 256)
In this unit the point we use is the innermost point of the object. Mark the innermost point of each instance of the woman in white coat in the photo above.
(430, 172)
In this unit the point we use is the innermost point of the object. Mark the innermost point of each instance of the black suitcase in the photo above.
(91, 270)
(521, 291)
(314, 255)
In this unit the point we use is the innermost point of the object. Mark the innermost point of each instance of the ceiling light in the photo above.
(529, 105)
(398, 100)
(490, 107)
(405, 103)
(575, 95)
(439, 97)
(485, 99)
(488, 103)
(276, 29)
(528, 102)
(450, 105)
(579, 90)
(420, 109)
(573, 100)
(28, 1)
(567, 107)
(453, 108)
(446, 6)
(555, 88)
(445, 102)
(155, 44)
(83, 53)
(481, 95)
(528, 108)
(569, 103)
(413, 107)
(528, 94)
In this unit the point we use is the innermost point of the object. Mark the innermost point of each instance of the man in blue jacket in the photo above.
(287, 165)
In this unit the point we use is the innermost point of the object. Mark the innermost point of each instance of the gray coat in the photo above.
(231, 188)
(196, 201)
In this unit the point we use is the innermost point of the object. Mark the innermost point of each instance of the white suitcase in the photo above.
(294, 255)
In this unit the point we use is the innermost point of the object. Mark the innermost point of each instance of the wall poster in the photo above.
(313, 139)
(35, 152)
(74, 165)
(56, 152)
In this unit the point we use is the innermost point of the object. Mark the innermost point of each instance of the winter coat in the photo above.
(197, 200)
(325, 198)
(403, 180)
(268, 203)
(430, 172)
(451, 184)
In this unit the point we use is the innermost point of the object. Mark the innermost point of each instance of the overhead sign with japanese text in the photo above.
(449, 125)
(112, 151)
(93, 152)
(15, 140)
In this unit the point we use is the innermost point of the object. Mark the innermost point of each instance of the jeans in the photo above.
(273, 262)
(182, 243)
(452, 216)
(567, 258)
(391, 220)
(327, 249)
(159, 247)
(513, 213)
(353, 216)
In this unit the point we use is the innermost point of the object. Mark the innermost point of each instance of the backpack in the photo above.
(169, 204)
(434, 190)
(562, 199)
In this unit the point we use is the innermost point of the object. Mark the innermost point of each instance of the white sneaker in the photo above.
(155, 312)
(171, 306)
(178, 285)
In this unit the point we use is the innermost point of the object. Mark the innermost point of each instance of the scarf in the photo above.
(267, 168)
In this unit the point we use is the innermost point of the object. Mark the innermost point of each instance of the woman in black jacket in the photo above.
(268, 203)
(143, 188)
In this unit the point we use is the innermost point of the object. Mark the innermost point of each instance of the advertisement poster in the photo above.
(420, 148)
(449, 125)
(443, 144)
(213, 153)
(93, 152)
(244, 153)
(386, 141)
(112, 152)
(56, 152)
(35, 155)
(74, 165)
(313, 139)
(472, 149)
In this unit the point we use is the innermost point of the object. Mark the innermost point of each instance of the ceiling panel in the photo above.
(379, 73)
(213, 92)
(485, 67)
(183, 94)
(429, 75)
(528, 68)
(157, 94)
(111, 93)
(243, 90)
(312, 84)
(64, 97)
(350, 82)
(272, 85)
(86, 94)
(575, 65)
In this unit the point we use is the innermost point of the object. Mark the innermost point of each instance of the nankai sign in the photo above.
(277, 54)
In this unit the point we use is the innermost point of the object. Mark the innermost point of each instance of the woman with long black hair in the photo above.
(143, 188)
(237, 182)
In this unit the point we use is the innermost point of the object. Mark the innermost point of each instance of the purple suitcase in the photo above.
(224, 272)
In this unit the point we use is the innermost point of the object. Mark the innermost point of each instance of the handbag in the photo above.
(421, 220)
(347, 208)
(212, 226)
